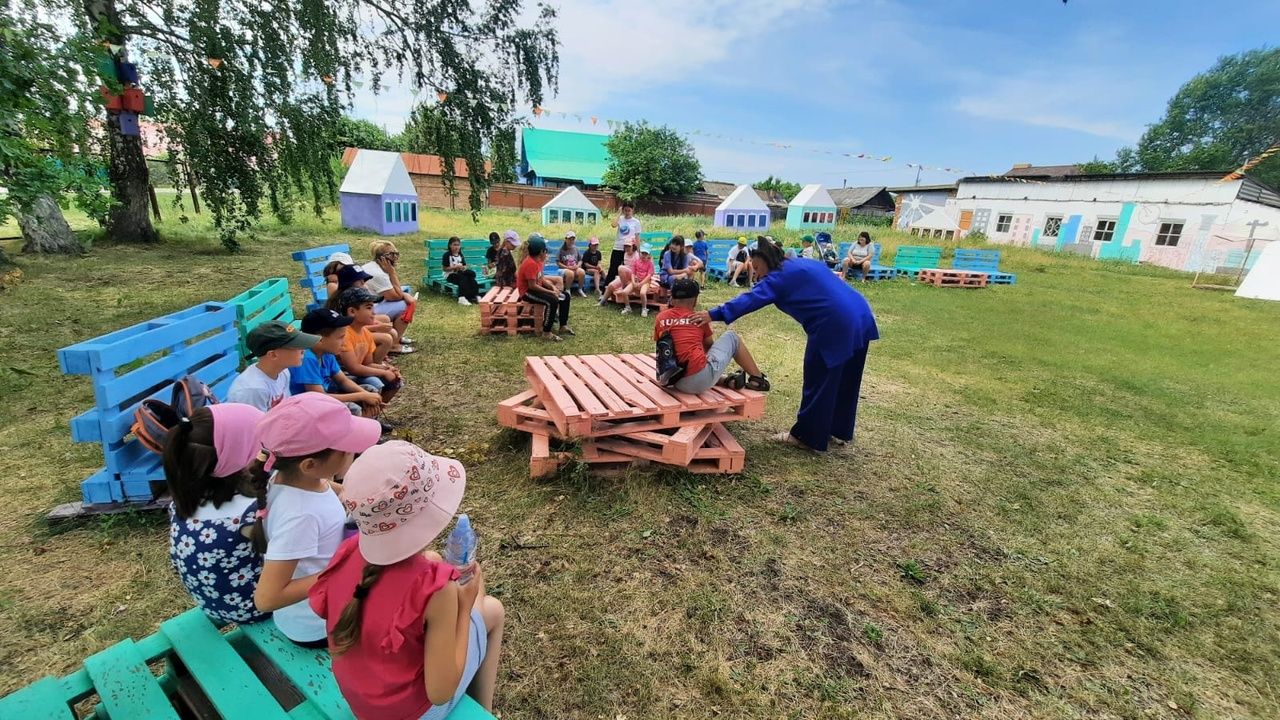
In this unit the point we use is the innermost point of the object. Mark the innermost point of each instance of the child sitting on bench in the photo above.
(358, 355)
(278, 348)
(622, 274)
(408, 632)
(311, 440)
(320, 371)
(534, 288)
(704, 361)
(504, 269)
(206, 460)
(591, 263)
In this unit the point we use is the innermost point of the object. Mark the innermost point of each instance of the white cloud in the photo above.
(1076, 101)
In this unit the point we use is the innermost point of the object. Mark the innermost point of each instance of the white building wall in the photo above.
(1214, 222)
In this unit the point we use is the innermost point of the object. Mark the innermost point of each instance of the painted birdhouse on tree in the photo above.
(378, 195)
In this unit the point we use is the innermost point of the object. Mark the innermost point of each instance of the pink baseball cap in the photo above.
(236, 439)
(311, 422)
(593, 241)
(512, 237)
(401, 498)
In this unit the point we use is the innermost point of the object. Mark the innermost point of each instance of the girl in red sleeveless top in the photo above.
(406, 639)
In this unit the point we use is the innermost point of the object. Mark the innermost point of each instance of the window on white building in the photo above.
(1052, 225)
(553, 216)
(1170, 233)
(1105, 231)
(1003, 222)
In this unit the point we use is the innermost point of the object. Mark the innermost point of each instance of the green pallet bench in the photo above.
(313, 261)
(983, 261)
(911, 259)
(473, 249)
(877, 272)
(246, 671)
(268, 300)
(139, 362)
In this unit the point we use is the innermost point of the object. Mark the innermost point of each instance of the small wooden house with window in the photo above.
(570, 206)
(742, 209)
(377, 195)
(812, 209)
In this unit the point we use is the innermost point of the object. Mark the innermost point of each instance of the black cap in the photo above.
(349, 275)
(319, 320)
(355, 297)
(684, 288)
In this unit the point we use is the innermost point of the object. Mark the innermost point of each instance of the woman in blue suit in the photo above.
(839, 326)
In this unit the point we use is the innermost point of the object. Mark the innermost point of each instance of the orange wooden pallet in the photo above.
(717, 452)
(952, 278)
(657, 299)
(598, 395)
(501, 311)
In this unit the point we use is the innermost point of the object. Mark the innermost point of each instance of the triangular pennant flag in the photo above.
(442, 96)
(537, 111)
(579, 117)
(115, 49)
(886, 158)
(328, 79)
(861, 155)
(214, 63)
(594, 119)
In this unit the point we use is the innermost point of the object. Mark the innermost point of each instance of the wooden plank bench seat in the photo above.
(983, 261)
(204, 673)
(911, 259)
(502, 312)
(473, 250)
(940, 277)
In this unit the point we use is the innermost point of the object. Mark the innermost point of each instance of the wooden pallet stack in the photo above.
(939, 277)
(501, 312)
(614, 408)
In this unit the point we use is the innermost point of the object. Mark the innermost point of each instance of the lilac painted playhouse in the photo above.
(742, 209)
(378, 195)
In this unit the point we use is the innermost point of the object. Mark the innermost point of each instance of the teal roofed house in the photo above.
(552, 158)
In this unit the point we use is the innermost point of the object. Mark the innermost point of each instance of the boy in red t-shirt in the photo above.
(534, 288)
(704, 361)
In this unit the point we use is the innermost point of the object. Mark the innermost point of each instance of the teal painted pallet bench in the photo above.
(250, 671)
(313, 261)
(877, 272)
(268, 300)
(983, 261)
(472, 250)
(911, 259)
(139, 362)
(718, 250)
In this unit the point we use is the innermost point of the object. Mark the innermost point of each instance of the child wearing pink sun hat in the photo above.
(382, 585)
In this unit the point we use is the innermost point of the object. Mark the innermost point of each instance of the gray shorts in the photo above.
(718, 358)
(477, 644)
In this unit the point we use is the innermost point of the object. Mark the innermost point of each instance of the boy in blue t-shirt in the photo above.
(320, 371)
(700, 251)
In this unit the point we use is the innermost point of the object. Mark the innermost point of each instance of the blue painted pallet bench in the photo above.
(473, 250)
(983, 261)
(139, 362)
(313, 261)
(718, 257)
(551, 268)
(911, 259)
(268, 300)
(877, 272)
(250, 671)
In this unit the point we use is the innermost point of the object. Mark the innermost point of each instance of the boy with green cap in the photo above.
(278, 347)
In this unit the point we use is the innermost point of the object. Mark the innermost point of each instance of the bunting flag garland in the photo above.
(594, 119)
(537, 111)
(1250, 164)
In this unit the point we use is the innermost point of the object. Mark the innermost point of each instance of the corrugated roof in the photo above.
(854, 196)
(419, 164)
(1025, 170)
(1250, 188)
(565, 155)
(717, 188)
(921, 188)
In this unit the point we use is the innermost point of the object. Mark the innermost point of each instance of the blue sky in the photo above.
(977, 85)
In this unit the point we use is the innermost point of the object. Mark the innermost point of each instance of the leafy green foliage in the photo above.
(1218, 120)
(502, 152)
(357, 133)
(785, 189)
(648, 162)
(45, 142)
(1097, 166)
(253, 95)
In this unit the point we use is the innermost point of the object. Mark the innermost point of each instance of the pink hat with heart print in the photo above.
(401, 497)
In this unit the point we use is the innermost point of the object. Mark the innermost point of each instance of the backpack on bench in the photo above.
(153, 419)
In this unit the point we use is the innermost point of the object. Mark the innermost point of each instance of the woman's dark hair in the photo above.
(771, 254)
(455, 239)
(864, 234)
(189, 461)
(331, 269)
(346, 632)
(255, 484)
(494, 237)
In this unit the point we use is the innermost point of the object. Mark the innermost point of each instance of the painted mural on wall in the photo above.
(915, 205)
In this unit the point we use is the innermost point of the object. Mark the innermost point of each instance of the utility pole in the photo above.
(918, 169)
(1248, 249)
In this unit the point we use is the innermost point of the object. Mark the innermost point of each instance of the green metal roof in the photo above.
(565, 155)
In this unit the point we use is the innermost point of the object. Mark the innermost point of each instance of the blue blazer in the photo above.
(836, 317)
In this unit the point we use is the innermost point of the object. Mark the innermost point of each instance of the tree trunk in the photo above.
(129, 219)
(44, 230)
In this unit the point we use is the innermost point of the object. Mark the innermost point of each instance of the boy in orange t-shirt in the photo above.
(359, 354)
(704, 361)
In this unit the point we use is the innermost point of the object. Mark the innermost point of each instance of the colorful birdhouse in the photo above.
(106, 66)
(129, 73)
(114, 102)
(129, 123)
(134, 101)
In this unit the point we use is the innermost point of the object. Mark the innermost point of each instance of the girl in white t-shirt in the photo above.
(311, 439)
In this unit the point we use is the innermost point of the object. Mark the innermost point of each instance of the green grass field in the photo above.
(1062, 502)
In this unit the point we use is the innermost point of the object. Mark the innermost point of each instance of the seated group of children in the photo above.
(298, 514)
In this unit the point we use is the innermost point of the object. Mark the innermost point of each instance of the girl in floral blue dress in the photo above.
(207, 460)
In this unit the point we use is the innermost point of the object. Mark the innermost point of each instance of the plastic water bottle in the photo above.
(460, 549)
